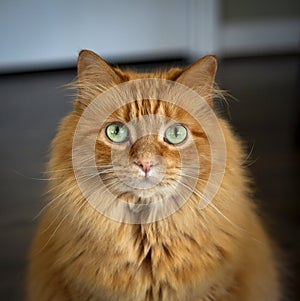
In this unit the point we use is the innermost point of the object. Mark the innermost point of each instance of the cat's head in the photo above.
(144, 135)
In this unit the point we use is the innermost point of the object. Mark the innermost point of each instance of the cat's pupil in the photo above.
(116, 131)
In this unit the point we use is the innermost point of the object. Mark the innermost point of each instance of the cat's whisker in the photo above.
(210, 203)
(245, 161)
(50, 204)
(224, 216)
(195, 191)
(29, 177)
(62, 208)
(192, 177)
(83, 154)
(79, 209)
(52, 235)
(76, 178)
(67, 169)
(75, 185)
(177, 191)
(219, 187)
(197, 168)
(102, 172)
(205, 181)
(99, 190)
(235, 225)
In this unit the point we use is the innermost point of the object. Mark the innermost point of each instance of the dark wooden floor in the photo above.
(265, 115)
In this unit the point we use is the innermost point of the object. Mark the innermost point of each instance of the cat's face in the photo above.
(146, 149)
(140, 156)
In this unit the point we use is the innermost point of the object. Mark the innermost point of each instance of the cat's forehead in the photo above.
(143, 108)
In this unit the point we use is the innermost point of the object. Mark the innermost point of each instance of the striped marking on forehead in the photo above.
(143, 107)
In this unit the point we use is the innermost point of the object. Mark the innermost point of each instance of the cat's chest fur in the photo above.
(147, 262)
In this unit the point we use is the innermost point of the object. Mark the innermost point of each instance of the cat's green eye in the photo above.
(117, 132)
(175, 134)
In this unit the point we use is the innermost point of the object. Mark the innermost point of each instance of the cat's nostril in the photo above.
(145, 166)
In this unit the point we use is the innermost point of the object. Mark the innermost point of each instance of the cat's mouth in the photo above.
(147, 182)
(122, 181)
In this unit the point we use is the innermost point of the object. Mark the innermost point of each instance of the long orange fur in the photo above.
(219, 253)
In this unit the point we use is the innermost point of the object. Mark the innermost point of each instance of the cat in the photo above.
(217, 251)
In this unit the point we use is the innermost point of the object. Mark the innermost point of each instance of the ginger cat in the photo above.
(215, 252)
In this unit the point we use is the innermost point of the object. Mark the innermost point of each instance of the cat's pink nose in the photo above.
(144, 165)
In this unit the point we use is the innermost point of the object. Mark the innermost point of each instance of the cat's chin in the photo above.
(144, 196)
(144, 183)
(144, 189)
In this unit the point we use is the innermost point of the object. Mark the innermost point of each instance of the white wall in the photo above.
(269, 36)
(48, 34)
(38, 34)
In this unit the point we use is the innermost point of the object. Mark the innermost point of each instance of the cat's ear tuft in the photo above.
(91, 66)
(94, 76)
(200, 76)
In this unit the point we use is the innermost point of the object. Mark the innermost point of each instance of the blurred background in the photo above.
(257, 42)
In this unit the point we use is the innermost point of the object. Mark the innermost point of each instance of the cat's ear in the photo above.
(93, 75)
(200, 76)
